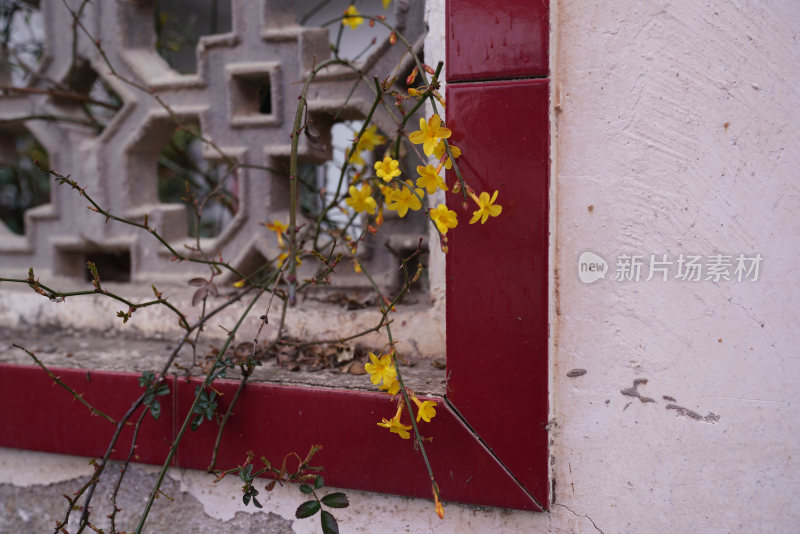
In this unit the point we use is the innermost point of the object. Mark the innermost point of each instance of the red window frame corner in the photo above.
(490, 442)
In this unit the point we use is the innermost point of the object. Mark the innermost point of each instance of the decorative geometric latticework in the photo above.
(243, 97)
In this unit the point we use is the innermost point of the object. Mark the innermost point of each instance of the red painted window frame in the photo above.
(490, 444)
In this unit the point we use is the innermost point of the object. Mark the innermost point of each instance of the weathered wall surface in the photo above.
(675, 133)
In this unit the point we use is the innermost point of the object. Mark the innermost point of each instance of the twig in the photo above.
(189, 417)
(77, 396)
(57, 94)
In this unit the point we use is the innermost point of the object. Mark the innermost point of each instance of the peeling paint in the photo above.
(633, 391)
(710, 418)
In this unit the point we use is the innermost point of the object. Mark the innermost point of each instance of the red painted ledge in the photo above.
(271, 420)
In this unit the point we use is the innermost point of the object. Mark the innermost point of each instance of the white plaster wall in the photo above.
(676, 121)
(677, 131)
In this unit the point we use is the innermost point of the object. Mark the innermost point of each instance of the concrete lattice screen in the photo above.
(242, 96)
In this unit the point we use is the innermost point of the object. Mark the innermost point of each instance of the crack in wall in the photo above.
(598, 529)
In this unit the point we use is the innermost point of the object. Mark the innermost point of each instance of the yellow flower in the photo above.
(486, 207)
(425, 410)
(279, 228)
(385, 190)
(387, 169)
(353, 20)
(397, 427)
(443, 217)
(386, 3)
(381, 369)
(368, 141)
(361, 199)
(391, 388)
(429, 134)
(401, 200)
(355, 158)
(440, 151)
(282, 258)
(430, 179)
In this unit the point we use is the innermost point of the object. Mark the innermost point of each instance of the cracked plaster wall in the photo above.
(675, 132)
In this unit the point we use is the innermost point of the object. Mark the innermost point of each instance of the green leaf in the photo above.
(258, 504)
(155, 408)
(196, 423)
(336, 500)
(319, 482)
(329, 524)
(305, 488)
(307, 509)
(146, 379)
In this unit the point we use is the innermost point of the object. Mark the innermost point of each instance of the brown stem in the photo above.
(77, 396)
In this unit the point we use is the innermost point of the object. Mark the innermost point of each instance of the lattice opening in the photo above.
(208, 189)
(21, 41)
(113, 262)
(84, 97)
(254, 93)
(112, 265)
(179, 24)
(22, 185)
(354, 45)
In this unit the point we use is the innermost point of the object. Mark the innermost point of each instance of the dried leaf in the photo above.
(199, 295)
(212, 288)
(243, 351)
(357, 368)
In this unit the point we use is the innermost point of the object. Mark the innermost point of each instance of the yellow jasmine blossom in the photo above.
(386, 3)
(368, 141)
(355, 158)
(391, 388)
(285, 255)
(429, 179)
(387, 169)
(401, 200)
(353, 20)
(429, 134)
(425, 410)
(486, 207)
(240, 283)
(361, 199)
(397, 427)
(443, 218)
(385, 190)
(381, 369)
(440, 151)
(279, 228)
